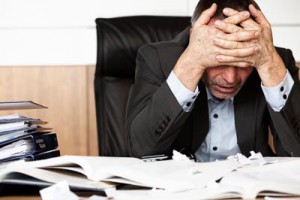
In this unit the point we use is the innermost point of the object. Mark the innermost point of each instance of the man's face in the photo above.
(225, 81)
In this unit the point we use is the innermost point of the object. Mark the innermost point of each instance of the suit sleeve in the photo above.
(154, 117)
(285, 125)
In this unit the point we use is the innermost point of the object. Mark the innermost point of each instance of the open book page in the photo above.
(75, 180)
(248, 182)
(195, 194)
(175, 175)
(93, 167)
(280, 177)
(170, 174)
(179, 179)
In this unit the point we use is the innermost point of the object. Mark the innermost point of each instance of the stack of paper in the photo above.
(23, 137)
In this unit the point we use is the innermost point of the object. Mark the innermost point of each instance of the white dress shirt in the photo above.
(221, 140)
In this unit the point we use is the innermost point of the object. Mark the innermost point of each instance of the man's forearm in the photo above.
(273, 73)
(188, 71)
(150, 126)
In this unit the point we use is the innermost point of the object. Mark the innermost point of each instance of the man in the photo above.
(216, 89)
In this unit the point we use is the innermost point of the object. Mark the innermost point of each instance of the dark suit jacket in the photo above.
(157, 124)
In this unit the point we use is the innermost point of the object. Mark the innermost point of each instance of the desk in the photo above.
(39, 198)
(32, 197)
(36, 197)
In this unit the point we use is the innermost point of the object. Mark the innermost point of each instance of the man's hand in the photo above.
(201, 52)
(202, 46)
(189, 67)
(266, 60)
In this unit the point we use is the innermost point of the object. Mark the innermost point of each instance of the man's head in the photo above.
(224, 81)
(239, 5)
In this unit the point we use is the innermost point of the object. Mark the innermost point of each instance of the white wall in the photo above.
(49, 32)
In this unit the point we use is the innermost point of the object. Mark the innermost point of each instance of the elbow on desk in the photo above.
(140, 143)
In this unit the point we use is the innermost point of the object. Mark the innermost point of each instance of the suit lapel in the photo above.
(245, 115)
(200, 118)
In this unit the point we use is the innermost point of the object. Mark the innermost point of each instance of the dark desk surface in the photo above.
(21, 198)
(37, 197)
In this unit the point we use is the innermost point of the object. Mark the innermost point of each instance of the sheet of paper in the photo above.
(75, 180)
(175, 175)
(282, 176)
(61, 190)
(169, 174)
(57, 191)
(20, 147)
(18, 105)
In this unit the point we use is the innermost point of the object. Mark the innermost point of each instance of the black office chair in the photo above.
(118, 42)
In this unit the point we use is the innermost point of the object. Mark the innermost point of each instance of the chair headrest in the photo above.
(120, 38)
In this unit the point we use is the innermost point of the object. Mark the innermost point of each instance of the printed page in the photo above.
(195, 194)
(281, 177)
(175, 175)
(94, 167)
(170, 174)
(74, 180)
(247, 182)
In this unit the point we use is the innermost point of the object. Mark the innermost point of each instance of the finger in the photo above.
(259, 16)
(249, 23)
(206, 15)
(236, 64)
(231, 60)
(242, 35)
(238, 53)
(229, 44)
(237, 32)
(227, 27)
(230, 12)
(237, 18)
(225, 44)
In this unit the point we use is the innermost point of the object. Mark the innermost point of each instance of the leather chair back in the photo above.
(117, 45)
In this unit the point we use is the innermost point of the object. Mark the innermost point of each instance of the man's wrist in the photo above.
(188, 72)
(184, 96)
(278, 95)
(272, 73)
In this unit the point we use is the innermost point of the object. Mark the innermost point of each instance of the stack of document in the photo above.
(23, 137)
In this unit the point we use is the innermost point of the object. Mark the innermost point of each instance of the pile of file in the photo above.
(26, 138)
